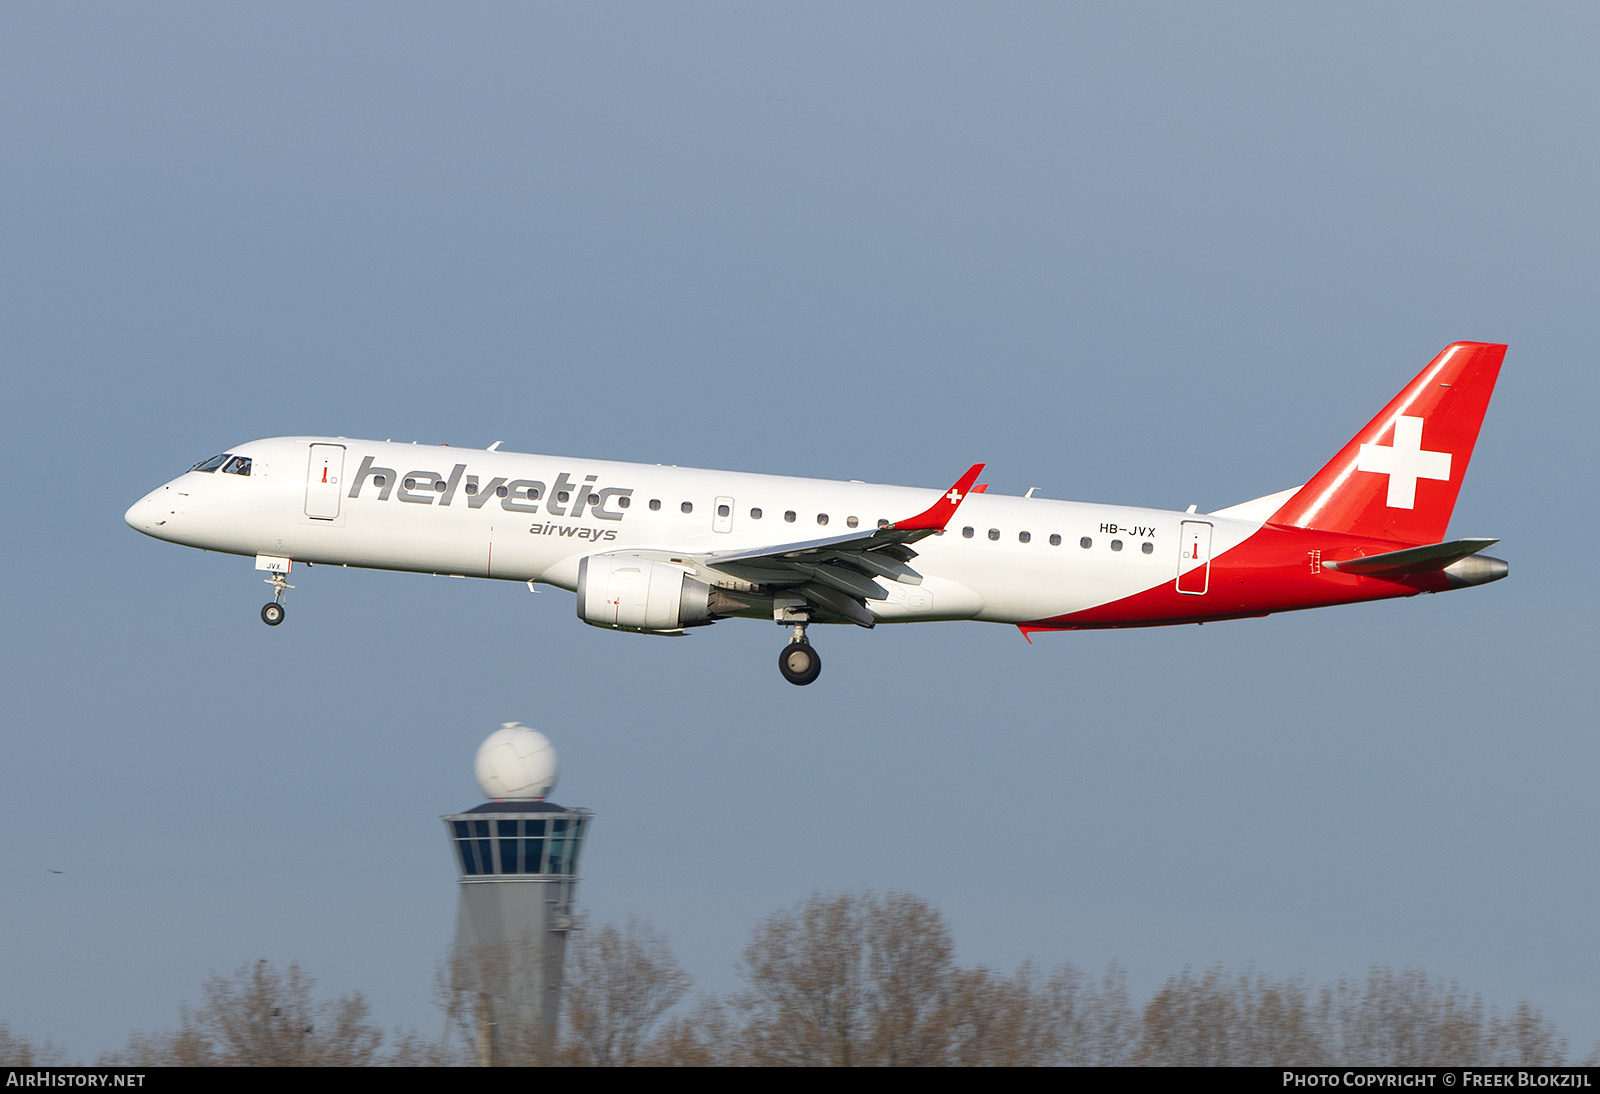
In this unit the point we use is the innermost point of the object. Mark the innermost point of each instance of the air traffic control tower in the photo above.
(518, 856)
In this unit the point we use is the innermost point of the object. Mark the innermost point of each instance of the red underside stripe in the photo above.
(1275, 570)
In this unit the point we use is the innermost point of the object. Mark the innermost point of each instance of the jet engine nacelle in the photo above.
(637, 594)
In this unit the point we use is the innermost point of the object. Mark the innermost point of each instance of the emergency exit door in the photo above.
(323, 479)
(1194, 560)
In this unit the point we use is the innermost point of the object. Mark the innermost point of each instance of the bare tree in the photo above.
(1392, 1019)
(1094, 1024)
(849, 980)
(412, 1049)
(1216, 1020)
(703, 1038)
(860, 980)
(261, 1018)
(619, 984)
(1527, 1039)
(844, 980)
(188, 1047)
(807, 979)
(999, 1021)
(910, 965)
(20, 1052)
(1404, 1019)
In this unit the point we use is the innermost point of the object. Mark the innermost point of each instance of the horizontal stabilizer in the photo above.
(1413, 560)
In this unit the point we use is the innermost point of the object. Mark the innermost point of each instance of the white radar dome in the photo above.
(516, 762)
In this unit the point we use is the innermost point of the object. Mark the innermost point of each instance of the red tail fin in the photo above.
(1398, 478)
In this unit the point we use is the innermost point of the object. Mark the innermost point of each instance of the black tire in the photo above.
(799, 663)
(272, 614)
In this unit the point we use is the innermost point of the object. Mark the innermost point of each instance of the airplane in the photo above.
(660, 550)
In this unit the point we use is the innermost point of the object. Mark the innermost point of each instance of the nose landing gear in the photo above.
(799, 663)
(272, 614)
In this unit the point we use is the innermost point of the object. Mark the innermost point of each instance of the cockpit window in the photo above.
(212, 464)
(239, 465)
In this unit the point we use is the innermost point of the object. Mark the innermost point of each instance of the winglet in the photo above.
(939, 514)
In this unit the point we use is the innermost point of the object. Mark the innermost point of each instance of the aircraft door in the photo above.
(722, 515)
(1194, 561)
(323, 479)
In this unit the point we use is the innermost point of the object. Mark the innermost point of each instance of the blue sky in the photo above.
(1145, 254)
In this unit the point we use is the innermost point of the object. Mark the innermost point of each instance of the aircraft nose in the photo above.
(149, 513)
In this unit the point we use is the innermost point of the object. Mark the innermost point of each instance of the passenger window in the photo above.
(1086, 543)
(623, 501)
(563, 497)
(687, 507)
(994, 533)
(1116, 545)
(966, 533)
(502, 491)
(822, 518)
(594, 499)
(883, 524)
(1024, 537)
(471, 488)
(1148, 548)
(439, 485)
(1055, 541)
(851, 522)
(724, 511)
(755, 514)
(789, 516)
(239, 465)
(655, 503)
(212, 464)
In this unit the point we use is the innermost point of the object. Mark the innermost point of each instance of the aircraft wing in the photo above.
(835, 575)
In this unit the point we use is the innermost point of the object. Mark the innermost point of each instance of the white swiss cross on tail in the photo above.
(1405, 461)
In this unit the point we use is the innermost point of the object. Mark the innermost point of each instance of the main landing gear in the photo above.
(272, 614)
(799, 663)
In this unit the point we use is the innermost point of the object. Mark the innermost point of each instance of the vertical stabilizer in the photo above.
(1398, 478)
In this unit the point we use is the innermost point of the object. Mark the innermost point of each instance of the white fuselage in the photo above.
(479, 513)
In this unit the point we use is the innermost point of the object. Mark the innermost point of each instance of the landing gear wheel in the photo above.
(799, 663)
(272, 614)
